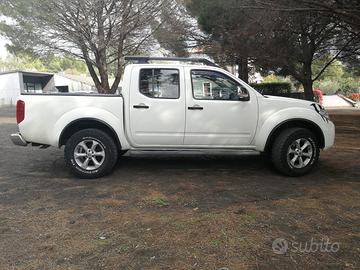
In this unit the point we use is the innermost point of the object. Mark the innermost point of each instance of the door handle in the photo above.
(195, 107)
(141, 106)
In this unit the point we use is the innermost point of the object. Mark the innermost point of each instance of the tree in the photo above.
(276, 36)
(345, 10)
(337, 77)
(50, 63)
(295, 40)
(231, 32)
(178, 31)
(100, 32)
(334, 71)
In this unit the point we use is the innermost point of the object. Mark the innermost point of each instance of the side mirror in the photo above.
(244, 96)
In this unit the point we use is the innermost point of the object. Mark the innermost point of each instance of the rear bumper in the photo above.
(17, 139)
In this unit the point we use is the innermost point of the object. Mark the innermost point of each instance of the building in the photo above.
(12, 83)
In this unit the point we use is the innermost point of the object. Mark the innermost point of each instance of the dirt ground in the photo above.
(167, 212)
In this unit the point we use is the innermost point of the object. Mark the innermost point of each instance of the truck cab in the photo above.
(182, 106)
(188, 106)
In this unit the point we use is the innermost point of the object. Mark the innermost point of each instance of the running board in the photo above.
(191, 152)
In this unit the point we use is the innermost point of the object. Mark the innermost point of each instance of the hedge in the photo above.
(355, 97)
(274, 89)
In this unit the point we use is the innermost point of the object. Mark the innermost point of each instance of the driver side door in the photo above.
(220, 112)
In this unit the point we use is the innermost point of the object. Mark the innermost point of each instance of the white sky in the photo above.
(3, 52)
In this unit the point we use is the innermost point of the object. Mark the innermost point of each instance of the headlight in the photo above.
(321, 110)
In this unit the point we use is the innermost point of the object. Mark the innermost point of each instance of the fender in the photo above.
(283, 116)
(87, 113)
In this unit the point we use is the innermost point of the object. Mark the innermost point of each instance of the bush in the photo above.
(355, 96)
(274, 89)
(347, 86)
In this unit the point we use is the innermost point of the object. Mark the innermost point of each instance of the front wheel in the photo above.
(295, 152)
(90, 153)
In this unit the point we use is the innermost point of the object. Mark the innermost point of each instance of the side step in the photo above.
(193, 152)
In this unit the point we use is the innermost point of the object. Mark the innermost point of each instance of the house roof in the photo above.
(31, 73)
(83, 79)
(78, 78)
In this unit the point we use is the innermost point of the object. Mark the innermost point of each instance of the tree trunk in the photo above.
(103, 72)
(118, 73)
(308, 82)
(308, 90)
(243, 69)
(100, 54)
(92, 72)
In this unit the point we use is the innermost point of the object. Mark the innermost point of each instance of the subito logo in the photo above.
(280, 246)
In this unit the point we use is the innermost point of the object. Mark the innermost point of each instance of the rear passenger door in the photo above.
(157, 107)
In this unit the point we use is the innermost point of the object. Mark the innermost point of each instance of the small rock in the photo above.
(240, 211)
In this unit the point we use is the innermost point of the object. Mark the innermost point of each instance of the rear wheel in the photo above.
(91, 153)
(295, 152)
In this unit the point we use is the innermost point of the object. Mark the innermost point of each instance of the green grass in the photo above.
(215, 243)
(161, 202)
(122, 249)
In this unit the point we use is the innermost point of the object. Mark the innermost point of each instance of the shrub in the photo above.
(346, 86)
(355, 96)
(274, 89)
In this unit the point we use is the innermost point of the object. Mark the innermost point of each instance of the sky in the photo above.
(3, 52)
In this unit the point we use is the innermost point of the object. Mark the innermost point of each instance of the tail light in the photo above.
(20, 111)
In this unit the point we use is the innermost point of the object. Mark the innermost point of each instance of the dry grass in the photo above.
(179, 214)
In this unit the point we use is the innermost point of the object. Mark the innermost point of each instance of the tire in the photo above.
(295, 152)
(90, 153)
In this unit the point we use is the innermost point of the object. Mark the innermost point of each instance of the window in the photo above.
(30, 87)
(212, 85)
(160, 83)
(63, 89)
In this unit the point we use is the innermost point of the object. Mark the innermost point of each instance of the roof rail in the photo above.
(146, 59)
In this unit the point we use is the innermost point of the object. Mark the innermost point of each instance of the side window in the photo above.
(160, 83)
(212, 85)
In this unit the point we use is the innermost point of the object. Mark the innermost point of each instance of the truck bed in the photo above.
(46, 115)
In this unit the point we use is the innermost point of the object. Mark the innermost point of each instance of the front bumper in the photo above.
(329, 135)
(17, 139)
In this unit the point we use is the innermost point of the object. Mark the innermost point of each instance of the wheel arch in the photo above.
(296, 122)
(85, 123)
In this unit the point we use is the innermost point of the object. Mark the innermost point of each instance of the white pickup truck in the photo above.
(174, 107)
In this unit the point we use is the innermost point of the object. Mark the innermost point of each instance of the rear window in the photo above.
(160, 83)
